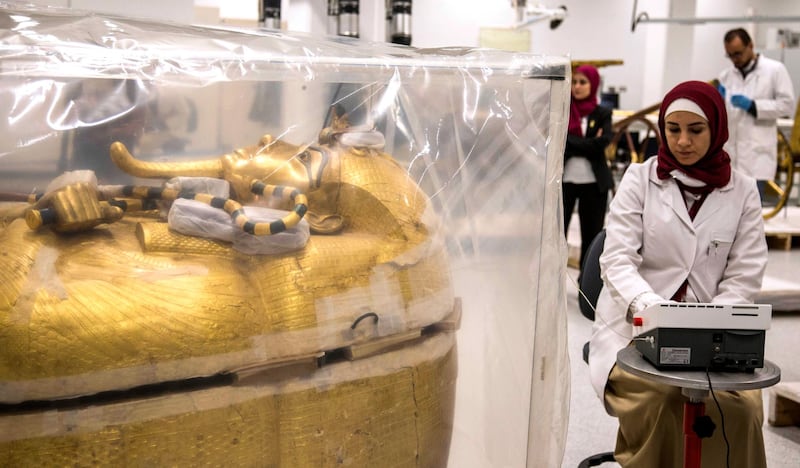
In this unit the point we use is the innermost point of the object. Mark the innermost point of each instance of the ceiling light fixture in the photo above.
(643, 17)
(528, 15)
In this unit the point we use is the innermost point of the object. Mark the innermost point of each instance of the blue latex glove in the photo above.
(721, 90)
(742, 102)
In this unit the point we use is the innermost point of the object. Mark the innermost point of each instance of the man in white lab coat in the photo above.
(757, 91)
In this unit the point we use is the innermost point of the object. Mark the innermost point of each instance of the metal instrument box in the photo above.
(720, 337)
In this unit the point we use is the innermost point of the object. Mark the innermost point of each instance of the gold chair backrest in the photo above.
(794, 138)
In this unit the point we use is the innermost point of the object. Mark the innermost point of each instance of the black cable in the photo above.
(721, 421)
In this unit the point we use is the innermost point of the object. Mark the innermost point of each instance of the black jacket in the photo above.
(594, 148)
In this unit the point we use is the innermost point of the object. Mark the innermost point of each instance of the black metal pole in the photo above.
(401, 22)
(348, 18)
(269, 14)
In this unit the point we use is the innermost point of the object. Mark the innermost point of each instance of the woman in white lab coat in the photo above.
(682, 226)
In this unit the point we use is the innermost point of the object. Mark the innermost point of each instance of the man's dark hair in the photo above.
(740, 33)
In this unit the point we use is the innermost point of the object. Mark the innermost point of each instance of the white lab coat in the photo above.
(752, 143)
(651, 245)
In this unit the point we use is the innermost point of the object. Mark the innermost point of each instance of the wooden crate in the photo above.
(784, 404)
(783, 230)
(782, 241)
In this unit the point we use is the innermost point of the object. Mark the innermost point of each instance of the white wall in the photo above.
(602, 30)
(170, 10)
(656, 55)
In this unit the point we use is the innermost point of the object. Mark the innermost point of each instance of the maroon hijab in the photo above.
(715, 167)
(580, 108)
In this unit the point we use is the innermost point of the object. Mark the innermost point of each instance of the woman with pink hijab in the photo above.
(587, 178)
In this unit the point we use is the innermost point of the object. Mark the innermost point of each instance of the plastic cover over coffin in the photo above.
(429, 183)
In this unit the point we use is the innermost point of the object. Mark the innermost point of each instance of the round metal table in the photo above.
(694, 384)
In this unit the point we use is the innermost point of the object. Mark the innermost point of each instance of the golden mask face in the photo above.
(275, 162)
(279, 161)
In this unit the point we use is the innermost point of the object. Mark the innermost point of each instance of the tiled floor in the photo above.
(591, 430)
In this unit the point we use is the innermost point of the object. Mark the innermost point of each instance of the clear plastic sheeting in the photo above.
(424, 316)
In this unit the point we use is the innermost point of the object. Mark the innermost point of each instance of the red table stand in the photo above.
(696, 426)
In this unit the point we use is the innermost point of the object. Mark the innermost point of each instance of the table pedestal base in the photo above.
(692, 444)
(692, 410)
